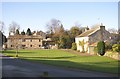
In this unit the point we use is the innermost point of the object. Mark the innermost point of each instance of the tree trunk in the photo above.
(16, 51)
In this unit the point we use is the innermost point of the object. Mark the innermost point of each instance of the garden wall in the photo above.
(114, 55)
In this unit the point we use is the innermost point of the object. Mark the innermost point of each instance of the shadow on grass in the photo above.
(14, 51)
(65, 57)
(83, 65)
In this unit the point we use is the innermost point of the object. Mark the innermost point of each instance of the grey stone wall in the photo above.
(114, 55)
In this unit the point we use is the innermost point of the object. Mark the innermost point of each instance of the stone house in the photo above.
(35, 41)
(91, 37)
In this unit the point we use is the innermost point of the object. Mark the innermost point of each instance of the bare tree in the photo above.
(54, 26)
(15, 38)
(13, 27)
(113, 30)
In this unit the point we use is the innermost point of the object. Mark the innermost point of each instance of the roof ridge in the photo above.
(94, 31)
(87, 32)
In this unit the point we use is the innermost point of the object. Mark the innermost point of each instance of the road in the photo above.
(12, 67)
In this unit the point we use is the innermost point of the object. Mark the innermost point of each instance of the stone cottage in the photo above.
(37, 40)
(91, 37)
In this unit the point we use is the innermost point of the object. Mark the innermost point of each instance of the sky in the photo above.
(35, 15)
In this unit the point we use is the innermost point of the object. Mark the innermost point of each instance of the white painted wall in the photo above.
(86, 39)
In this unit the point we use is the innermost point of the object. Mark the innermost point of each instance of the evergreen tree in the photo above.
(29, 32)
(23, 33)
(17, 32)
(101, 48)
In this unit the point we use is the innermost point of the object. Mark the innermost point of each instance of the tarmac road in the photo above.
(12, 67)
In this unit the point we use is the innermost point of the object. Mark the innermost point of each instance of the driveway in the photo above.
(21, 68)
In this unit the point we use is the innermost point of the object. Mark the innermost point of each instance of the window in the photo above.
(23, 45)
(39, 45)
(39, 40)
(31, 40)
(30, 45)
(11, 45)
(23, 40)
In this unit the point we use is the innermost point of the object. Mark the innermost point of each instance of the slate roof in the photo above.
(87, 33)
(24, 36)
(91, 31)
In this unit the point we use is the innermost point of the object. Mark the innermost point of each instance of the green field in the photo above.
(66, 59)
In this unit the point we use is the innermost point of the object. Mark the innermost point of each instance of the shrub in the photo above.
(108, 46)
(29, 32)
(74, 47)
(116, 47)
(17, 32)
(101, 48)
(23, 33)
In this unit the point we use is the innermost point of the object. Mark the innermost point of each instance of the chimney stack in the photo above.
(102, 27)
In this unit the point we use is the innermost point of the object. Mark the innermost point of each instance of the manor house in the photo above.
(37, 40)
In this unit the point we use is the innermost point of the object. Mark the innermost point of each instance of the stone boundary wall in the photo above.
(114, 55)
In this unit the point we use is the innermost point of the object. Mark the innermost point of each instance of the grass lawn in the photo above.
(70, 60)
